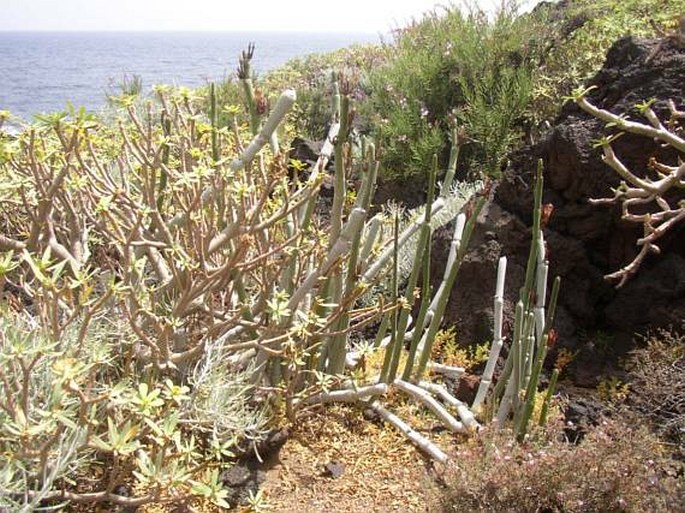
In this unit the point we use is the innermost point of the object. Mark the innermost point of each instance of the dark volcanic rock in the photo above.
(467, 388)
(582, 413)
(249, 471)
(585, 241)
(307, 152)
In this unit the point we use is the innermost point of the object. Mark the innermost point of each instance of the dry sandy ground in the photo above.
(381, 471)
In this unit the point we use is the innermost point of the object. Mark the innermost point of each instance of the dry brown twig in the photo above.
(636, 192)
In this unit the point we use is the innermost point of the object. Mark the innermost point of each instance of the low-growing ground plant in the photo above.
(612, 390)
(616, 467)
(446, 349)
(657, 383)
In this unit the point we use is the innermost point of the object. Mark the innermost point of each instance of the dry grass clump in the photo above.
(616, 468)
(657, 374)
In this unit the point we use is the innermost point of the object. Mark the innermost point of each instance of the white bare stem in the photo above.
(463, 411)
(387, 253)
(414, 436)
(632, 126)
(423, 396)
(636, 191)
(497, 341)
(348, 395)
(319, 166)
(328, 147)
(447, 370)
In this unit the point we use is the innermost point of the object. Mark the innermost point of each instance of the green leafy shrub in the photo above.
(453, 69)
(310, 76)
(584, 31)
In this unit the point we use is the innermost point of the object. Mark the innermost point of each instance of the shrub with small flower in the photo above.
(615, 468)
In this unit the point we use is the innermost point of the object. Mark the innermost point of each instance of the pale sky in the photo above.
(375, 16)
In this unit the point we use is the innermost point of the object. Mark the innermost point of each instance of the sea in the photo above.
(40, 72)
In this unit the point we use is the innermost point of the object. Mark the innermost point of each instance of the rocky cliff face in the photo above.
(585, 241)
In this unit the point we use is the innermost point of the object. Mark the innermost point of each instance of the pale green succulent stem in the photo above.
(337, 346)
(331, 282)
(287, 281)
(527, 356)
(250, 99)
(333, 290)
(523, 345)
(461, 239)
(423, 309)
(544, 412)
(395, 339)
(382, 330)
(355, 222)
(164, 177)
(497, 340)
(368, 184)
(214, 121)
(526, 292)
(335, 95)
(339, 189)
(413, 277)
(452, 164)
(531, 390)
(371, 232)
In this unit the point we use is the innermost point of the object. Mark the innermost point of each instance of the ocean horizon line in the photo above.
(44, 69)
(195, 31)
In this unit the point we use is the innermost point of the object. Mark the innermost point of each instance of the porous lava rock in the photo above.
(585, 241)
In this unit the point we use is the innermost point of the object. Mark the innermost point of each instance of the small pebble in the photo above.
(334, 469)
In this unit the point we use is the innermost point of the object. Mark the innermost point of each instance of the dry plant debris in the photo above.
(382, 472)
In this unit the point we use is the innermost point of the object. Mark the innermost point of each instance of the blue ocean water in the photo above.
(41, 71)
